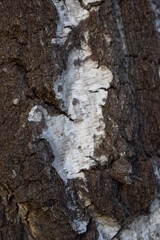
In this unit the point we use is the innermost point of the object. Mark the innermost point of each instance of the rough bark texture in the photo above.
(106, 196)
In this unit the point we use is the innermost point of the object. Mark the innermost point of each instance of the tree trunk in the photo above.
(79, 119)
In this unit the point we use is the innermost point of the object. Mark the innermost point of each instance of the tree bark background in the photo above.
(35, 201)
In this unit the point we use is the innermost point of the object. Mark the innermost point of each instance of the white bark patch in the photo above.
(91, 1)
(35, 115)
(157, 15)
(83, 93)
(145, 227)
(107, 228)
(70, 13)
(79, 226)
(15, 101)
(86, 3)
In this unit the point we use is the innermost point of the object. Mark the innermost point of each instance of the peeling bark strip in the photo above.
(79, 120)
